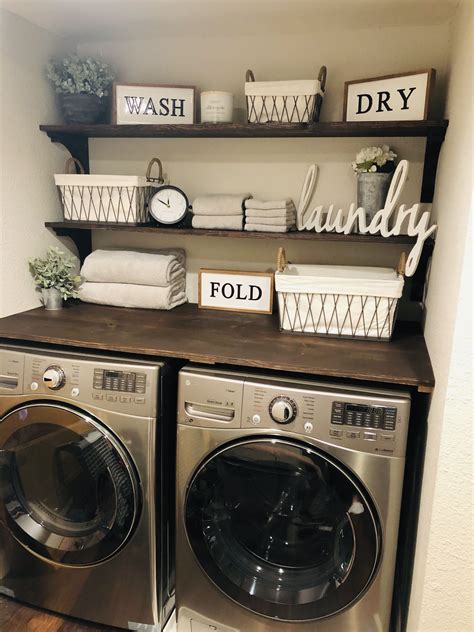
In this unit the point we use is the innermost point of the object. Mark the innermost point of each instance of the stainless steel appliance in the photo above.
(86, 485)
(288, 497)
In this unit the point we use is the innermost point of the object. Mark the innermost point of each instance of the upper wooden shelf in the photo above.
(217, 337)
(252, 130)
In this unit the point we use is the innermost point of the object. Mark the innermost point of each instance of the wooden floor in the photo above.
(16, 617)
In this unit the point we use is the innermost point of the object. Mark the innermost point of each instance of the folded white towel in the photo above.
(271, 221)
(272, 204)
(227, 222)
(130, 295)
(271, 214)
(220, 204)
(265, 228)
(133, 266)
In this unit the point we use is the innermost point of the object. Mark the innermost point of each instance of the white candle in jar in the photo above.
(217, 107)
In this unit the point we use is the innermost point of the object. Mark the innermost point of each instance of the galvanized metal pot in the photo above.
(372, 189)
(52, 299)
(82, 108)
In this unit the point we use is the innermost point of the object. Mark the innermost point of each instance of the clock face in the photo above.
(168, 205)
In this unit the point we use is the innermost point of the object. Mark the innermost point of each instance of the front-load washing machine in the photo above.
(86, 485)
(288, 503)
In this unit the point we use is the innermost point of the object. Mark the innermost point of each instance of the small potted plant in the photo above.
(82, 84)
(56, 276)
(374, 167)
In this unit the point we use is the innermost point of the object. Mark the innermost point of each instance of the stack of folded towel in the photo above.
(278, 216)
(221, 212)
(135, 278)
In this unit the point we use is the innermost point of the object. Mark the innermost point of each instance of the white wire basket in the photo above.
(297, 101)
(106, 198)
(341, 301)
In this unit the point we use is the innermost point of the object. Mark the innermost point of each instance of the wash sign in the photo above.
(153, 105)
(402, 97)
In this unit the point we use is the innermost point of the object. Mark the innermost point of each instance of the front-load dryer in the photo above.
(86, 485)
(288, 503)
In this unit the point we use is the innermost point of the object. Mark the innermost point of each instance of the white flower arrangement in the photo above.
(74, 75)
(373, 159)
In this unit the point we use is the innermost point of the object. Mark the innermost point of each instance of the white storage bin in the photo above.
(297, 101)
(106, 198)
(345, 301)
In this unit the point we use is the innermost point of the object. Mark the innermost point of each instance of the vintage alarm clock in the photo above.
(168, 204)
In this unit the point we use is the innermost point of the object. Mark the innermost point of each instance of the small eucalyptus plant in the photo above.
(80, 75)
(56, 270)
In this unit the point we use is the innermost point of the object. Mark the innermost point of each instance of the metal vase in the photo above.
(52, 299)
(82, 108)
(372, 189)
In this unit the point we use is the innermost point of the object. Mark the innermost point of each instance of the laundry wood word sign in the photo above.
(388, 221)
(403, 97)
(236, 291)
(138, 104)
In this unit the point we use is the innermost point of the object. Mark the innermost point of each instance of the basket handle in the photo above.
(73, 161)
(322, 76)
(249, 76)
(159, 179)
(402, 263)
(281, 260)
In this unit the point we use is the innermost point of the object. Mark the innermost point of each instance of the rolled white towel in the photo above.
(265, 228)
(130, 295)
(220, 204)
(270, 214)
(272, 204)
(227, 222)
(134, 266)
(271, 221)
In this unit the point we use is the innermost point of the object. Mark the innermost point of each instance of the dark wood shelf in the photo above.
(252, 130)
(63, 227)
(216, 337)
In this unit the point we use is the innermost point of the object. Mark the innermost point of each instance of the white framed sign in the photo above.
(402, 97)
(141, 104)
(236, 291)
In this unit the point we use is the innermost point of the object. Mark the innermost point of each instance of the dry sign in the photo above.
(403, 97)
(236, 291)
(153, 105)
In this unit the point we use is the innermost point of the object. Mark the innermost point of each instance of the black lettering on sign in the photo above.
(239, 296)
(150, 107)
(214, 288)
(258, 296)
(227, 290)
(405, 97)
(384, 97)
(134, 104)
(177, 105)
(164, 107)
(359, 103)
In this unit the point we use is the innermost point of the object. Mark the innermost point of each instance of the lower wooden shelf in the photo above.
(215, 337)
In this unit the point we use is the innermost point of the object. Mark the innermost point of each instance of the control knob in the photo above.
(283, 410)
(54, 377)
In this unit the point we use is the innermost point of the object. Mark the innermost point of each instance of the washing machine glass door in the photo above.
(68, 489)
(282, 528)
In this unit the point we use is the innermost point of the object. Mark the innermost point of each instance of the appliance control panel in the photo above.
(119, 386)
(363, 419)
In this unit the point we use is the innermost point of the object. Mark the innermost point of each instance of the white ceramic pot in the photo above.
(52, 299)
(217, 107)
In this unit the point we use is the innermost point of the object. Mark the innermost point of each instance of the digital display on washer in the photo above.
(357, 408)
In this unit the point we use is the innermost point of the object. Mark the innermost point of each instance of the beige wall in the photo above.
(28, 158)
(268, 168)
(442, 595)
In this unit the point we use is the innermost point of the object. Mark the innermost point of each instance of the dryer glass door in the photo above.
(282, 528)
(68, 490)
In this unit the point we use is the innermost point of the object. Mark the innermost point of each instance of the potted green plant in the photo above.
(374, 167)
(83, 85)
(56, 277)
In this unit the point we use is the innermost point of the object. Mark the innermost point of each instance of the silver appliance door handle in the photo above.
(209, 412)
(7, 381)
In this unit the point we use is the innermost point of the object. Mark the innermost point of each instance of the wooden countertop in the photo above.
(216, 337)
